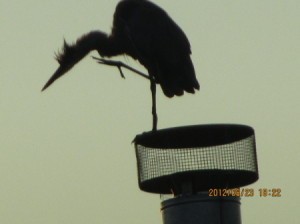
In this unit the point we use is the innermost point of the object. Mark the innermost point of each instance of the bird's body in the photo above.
(156, 41)
(145, 32)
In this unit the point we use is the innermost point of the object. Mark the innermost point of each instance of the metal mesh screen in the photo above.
(232, 164)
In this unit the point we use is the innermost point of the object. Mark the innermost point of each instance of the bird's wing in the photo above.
(162, 47)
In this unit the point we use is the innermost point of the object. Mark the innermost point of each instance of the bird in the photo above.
(146, 33)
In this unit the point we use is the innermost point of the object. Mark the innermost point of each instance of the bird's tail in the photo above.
(73, 53)
(178, 78)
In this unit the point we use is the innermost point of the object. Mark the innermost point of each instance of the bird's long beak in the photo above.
(57, 74)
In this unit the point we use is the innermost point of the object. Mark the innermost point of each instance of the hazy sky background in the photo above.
(66, 154)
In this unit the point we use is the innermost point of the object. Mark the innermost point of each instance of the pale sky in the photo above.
(66, 154)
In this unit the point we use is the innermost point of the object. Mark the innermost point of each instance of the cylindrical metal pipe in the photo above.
(201, 209)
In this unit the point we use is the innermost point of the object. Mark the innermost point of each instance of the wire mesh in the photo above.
(232, 164)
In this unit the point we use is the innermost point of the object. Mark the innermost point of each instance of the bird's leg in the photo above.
(153, 92)
(119, 65)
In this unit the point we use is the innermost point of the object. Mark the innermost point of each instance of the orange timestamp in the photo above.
(244, 192)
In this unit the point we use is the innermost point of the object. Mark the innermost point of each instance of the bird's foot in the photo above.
(118, 64)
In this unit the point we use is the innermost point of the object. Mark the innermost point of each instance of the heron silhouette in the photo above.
(145, 32)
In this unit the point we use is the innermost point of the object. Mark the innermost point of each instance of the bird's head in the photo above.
(73, 53)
